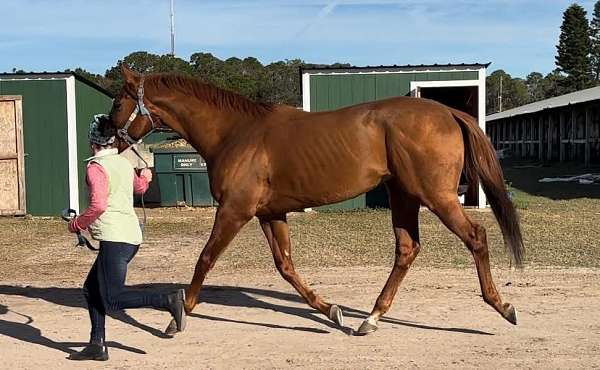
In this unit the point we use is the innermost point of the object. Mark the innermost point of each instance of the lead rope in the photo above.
(144, 219)
(69, 214)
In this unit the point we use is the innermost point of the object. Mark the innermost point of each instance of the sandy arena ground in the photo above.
(253, 319)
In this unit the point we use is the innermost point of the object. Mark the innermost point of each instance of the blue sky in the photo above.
(517, 36)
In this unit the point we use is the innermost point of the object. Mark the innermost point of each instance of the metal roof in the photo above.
(405, 67)
(52, 75)
(576, 97)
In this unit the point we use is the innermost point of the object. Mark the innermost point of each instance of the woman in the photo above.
(111, 219)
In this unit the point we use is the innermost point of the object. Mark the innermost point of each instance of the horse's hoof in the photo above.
(510, 314)
(336, 315)
(366, 328)
(171, 329)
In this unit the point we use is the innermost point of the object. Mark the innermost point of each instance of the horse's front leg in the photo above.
(230, 218)
(277, 233)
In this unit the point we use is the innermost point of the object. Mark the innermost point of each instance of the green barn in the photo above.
(461, 86)
(56, 111)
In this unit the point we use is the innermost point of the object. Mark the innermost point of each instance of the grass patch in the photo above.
(557, 231)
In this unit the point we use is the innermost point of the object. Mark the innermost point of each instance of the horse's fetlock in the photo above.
(405, 249)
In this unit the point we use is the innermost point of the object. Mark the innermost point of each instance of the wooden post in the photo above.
(521, 138)
(527, 132)
(524, 136)
(540, 138)
(511, 135)
(550, 127)
(499, 134)
(531, 137)
(518, 137)
(504, 133)
(588, 119)
(572, 146)
(561, 136)
(573, 151)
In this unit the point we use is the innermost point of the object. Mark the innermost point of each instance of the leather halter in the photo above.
(141, 109)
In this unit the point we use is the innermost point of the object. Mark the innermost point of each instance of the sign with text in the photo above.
(189, 162)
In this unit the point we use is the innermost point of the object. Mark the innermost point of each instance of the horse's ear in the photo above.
(130, 77)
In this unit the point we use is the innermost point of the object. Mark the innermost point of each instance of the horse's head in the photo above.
(132, 114)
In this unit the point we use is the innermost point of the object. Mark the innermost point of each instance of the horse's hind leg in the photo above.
(277, 233)
(452, 214)
(405, 220)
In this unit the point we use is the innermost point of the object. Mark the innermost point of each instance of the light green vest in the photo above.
(118, 223)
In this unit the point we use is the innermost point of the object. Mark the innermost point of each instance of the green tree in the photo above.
(514, 92)
(493, 90)
(554, 84)
(281, 83)
(144, 62)
(139, 61)
(207, 67)
(171, 64)
(250, 75)
(234, 74)
(574, 48)
(595, 42)
(278, 82)
(535, 86)
(234, 80)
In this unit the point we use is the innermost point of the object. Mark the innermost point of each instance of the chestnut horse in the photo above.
(267, 160)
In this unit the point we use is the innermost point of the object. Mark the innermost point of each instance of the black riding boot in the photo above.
(93, 351)
(175, 306)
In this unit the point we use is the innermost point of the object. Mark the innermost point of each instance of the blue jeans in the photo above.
(105, 291)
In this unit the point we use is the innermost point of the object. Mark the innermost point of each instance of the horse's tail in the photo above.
(481, 163)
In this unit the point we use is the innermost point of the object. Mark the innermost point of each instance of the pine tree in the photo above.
(595, 42)
(574, 47)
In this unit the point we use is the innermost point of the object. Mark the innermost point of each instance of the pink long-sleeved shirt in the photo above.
(97, 180)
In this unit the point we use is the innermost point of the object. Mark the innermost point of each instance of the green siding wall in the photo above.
(328, 92)
(89, 101)
(331, 91)
(45, 140)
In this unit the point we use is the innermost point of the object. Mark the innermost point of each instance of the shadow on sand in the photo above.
(216, 295)
(27, 332)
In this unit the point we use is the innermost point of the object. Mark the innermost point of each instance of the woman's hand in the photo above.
(73, 226)
(147, 174)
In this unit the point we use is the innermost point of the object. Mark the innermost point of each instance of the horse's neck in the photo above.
(203, 125)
